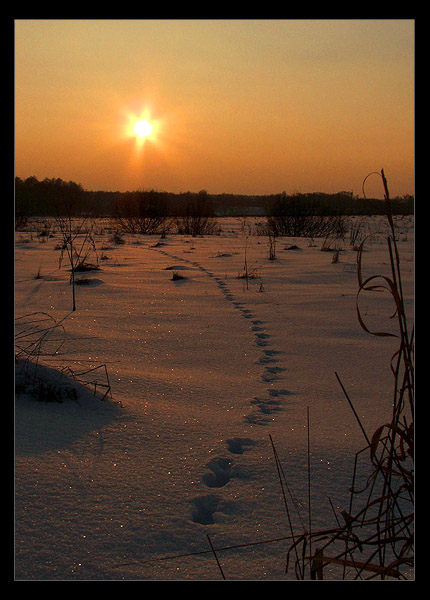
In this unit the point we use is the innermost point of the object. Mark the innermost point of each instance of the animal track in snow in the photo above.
(267, 405)
(205, 507)
(276, 393)
(237, 445)
(272, 352)
(257, 419)
(220, 472)
(261, 339)
(264, 360)
(275, 369)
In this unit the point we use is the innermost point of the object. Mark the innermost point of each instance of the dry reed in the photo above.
(376, 538)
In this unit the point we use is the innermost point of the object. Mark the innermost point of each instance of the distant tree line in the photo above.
(147, 209)
(44, 198)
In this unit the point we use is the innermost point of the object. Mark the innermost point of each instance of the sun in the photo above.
(142, 128)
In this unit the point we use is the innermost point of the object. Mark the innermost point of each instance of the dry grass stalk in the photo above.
(377, 536)
(75, 232)
(97, 377)
(216, 557)
(39, 335)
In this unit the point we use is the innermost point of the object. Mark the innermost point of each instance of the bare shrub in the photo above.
(198, 217)
(141, 212)
(293, 217)
(78, 245)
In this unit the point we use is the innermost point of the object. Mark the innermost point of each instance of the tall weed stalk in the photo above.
(375, 538)
(78, 243)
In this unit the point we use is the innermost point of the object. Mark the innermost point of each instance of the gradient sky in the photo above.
(237, 106)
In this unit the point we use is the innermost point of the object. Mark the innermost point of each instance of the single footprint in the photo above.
(237, 445)
(204, 509)
(267, 405)
(257, 419)
(269, 377)
(274, 370)
(264, 360)
(282, 392)
(220, 473)
(272, 352)
(261, 339)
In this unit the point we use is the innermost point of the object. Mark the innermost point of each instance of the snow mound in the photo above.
(53, 410)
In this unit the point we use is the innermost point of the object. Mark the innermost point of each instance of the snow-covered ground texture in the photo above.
(205, 372)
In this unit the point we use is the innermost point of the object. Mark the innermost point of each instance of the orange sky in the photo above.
(237, 106)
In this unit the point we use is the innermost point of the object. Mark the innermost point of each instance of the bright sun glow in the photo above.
(142, 128)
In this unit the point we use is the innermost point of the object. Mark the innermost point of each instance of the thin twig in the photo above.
(353, 409)
(309, 486)
(278, 467)
(216, 557)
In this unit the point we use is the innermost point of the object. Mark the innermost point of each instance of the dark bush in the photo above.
(198, 216)
(294, 216)
(141, 212)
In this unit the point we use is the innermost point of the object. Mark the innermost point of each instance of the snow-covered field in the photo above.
(204, 373)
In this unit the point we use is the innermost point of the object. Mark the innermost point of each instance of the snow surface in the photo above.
(204, 373)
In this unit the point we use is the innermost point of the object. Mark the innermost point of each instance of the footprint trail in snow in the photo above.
(262, 410)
